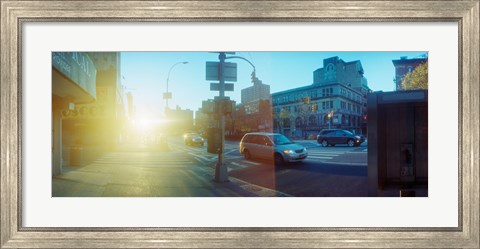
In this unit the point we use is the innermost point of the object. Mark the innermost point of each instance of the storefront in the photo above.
(73, 82)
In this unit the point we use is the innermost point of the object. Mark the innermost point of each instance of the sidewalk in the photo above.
(140, 174)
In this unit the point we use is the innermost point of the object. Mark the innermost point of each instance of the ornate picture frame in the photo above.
(15, 13)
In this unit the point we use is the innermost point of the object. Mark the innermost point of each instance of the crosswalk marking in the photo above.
(327, 153)
(250, 162)
(200, 156)
(233, 157)
(143, 160)
(324, 155)
(239, 165)
(319, 157)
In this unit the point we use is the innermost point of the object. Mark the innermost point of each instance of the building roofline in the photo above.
(400, 61)
(302, 88)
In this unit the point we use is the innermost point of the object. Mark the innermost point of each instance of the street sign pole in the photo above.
(221, 173)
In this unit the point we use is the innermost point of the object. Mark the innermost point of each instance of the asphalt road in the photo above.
(338, 171)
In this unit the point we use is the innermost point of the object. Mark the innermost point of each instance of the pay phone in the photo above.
(407, 171)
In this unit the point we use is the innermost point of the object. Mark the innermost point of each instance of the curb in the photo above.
(259, 191)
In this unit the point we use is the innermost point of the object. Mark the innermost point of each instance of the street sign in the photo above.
(216, 87)
(229, 71)
(211, 72)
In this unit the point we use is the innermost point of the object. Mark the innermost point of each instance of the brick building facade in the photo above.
(404, 66)
(336, 99)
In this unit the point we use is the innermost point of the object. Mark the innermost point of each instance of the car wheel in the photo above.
(324, 143)
(246, 154)
(278, 160)
(351, 143)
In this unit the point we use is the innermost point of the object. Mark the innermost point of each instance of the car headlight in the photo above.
(289, 151)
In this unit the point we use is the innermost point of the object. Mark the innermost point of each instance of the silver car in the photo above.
(193, 139)
(271, 146)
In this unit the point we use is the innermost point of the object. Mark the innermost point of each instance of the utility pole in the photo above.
(223, 71)
(221, 173)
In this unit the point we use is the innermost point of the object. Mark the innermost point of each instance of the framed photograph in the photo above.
(99, 147)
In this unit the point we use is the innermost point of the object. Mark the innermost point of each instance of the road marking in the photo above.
(319, 157)
(229, 168)
(326, 153)
(233, 157)
(254, 163)
(200, 156)
(239, 165)
(228, 152)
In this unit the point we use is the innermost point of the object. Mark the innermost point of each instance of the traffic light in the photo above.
(254, 77)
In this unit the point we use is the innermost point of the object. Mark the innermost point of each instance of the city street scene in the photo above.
(240, 124)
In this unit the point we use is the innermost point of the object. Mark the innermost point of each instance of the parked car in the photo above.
(337, 136)
(193, 139)
(271, 146)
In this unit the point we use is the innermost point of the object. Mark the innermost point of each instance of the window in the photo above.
(331, 104)
(330, 72)
(286, 123)
(339, 133)
(312, 120)
(327, 132)
(251, 139)
(265, 141)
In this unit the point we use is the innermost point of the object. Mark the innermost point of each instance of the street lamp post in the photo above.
(221, 172)
(168, 95)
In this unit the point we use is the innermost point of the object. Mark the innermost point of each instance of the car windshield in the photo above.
(281, 139)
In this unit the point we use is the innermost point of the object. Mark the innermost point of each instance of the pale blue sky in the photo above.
(145, 74)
